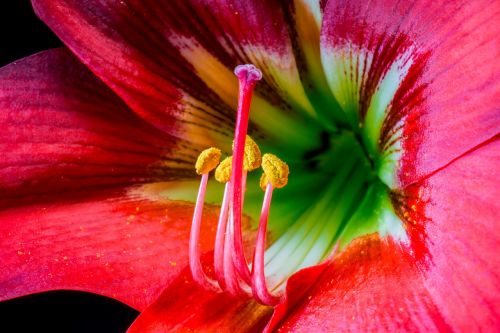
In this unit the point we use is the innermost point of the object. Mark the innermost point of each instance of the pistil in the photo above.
(248, 75)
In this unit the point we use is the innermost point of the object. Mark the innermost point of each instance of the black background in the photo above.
(23, 34)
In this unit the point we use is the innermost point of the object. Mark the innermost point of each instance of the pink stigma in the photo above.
(248, 73)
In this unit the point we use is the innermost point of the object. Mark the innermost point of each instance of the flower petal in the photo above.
(172, 62)
(371, 286)
(184, 306)
(63, 130)
(446, 279)
(461, 266)
(128, 244)
(424, 71)
(297, 287)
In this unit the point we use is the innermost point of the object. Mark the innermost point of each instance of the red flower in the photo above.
(391, 107)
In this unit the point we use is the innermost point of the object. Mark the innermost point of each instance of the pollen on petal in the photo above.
(223, 171)
(276, 170)
(207, 160)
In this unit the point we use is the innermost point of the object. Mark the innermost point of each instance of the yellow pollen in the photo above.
(276, 170)
(252, 156)
(223, 171)
(208, 160)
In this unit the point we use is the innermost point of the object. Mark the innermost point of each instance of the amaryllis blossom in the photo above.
(386, 114)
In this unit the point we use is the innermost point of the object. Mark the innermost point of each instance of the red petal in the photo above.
(166, 59)
(63, 130)
(460, 234)
(126, 244)
(369, 287)
(447, 279)
(184, 306)
(449, 98)
(298, 286)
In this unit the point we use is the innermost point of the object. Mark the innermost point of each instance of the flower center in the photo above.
(337, 193)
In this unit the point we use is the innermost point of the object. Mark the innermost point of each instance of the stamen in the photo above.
(248, 75)
(207, 161)
(259, 285)
(275, 175)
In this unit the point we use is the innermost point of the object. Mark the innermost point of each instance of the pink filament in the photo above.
(220, 237)
(194, 249)
(248, 76)
(259, 285)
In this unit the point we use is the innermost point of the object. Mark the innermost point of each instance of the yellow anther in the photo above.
(263, 182)
(252, 157)
(276, 170)
(208, 160)
(223, 171)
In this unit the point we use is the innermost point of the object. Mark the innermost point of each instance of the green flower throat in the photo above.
(339, 188)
